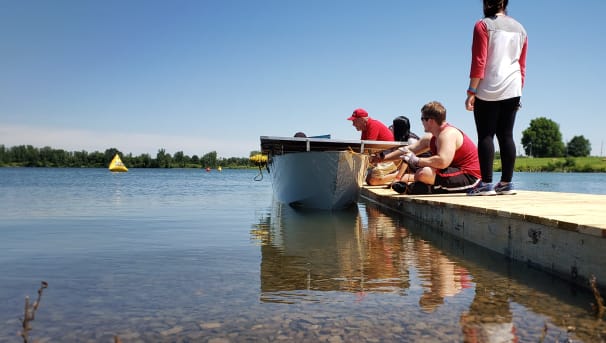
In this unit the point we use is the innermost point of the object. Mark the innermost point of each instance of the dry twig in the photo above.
(543, 333)
(30, 312)
(598, 307)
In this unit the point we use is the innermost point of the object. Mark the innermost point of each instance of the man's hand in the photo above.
(412, 160)
(404, 150)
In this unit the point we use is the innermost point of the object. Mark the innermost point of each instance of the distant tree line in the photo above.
(29, 156)
(541, 139)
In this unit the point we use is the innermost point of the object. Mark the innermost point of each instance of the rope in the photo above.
(259, 176)
(259, 160)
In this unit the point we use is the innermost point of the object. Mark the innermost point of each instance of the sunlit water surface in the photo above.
(195, 256)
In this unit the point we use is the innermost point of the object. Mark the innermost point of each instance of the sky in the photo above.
(199, 76)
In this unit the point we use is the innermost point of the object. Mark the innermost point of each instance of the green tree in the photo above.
(97, 160)
(145, 161)
(26, 154)
(209, 160)
(178, 159)
(80, 159)
(110, 153)
(543, 139)
(163, 159)
(195, 159)
(4, 158)
(578, 146)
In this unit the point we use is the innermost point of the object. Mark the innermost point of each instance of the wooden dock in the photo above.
(561, 233)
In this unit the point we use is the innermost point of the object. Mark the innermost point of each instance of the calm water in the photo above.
(191, 256)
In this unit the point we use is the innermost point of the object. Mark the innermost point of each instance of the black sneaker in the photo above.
(399, 187)
(504, 188)
(418, 188)
(482, 188)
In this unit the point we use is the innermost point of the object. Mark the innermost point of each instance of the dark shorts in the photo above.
(453, 180)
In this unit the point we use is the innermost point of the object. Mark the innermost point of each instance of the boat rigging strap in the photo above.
(259, 176)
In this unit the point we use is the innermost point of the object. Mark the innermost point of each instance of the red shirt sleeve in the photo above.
(479, 50)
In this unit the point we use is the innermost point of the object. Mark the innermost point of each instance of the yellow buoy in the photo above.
(259, 159)
(116, 165)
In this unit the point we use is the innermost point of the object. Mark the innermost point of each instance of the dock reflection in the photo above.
(350, 251)
(366, 252)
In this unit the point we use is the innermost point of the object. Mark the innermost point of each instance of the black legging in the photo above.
(496, 117)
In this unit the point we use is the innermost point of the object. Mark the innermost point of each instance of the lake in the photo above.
(185, 255)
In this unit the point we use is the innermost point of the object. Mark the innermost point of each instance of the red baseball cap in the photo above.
(358, 113)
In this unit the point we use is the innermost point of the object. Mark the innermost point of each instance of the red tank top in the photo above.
(466, 156)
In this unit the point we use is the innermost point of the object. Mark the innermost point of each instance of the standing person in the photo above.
(498, 70)
(452, 166)
(371, 129)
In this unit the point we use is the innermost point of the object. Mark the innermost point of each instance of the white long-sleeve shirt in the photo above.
(499, 57)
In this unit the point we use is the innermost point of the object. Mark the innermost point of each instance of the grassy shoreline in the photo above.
(594, 164)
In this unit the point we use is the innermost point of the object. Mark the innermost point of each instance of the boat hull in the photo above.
(326, 180)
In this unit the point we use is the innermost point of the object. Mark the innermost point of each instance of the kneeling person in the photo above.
(453, 165)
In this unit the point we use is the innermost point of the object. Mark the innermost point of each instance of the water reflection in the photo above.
(338, 251)
(439, 276)
(318, 251)
(512, 301)
(367, 252)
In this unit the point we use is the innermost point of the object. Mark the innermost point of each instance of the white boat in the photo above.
(318, 173)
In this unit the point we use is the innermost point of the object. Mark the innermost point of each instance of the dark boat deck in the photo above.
(281, 145)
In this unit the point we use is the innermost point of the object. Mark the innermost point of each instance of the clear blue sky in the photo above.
(214, 75)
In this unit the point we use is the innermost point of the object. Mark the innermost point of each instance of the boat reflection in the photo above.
(304, 251)
(307, 252)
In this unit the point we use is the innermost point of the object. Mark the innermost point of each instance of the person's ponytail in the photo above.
(492, 7)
